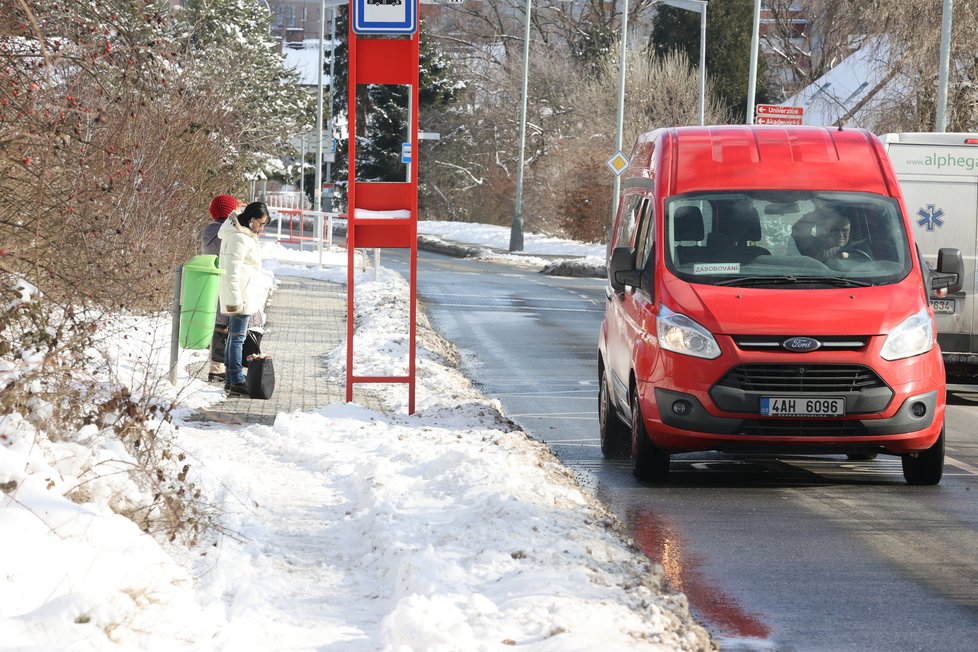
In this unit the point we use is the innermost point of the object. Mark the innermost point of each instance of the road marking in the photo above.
(500, 297)
(927, 547)
(964, 466)
(588, 440)
(556, 417)
(519, 308)
(570, 394)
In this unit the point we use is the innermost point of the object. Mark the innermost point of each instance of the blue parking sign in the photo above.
(385, 16)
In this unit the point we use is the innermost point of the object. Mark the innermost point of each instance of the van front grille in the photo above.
(828, 343)
(776, 379)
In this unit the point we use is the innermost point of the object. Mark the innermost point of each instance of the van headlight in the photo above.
(681, 334)
(915, 335)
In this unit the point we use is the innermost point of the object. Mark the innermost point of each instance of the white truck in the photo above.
(938, 174)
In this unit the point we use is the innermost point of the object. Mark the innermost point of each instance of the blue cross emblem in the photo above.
(931, 217)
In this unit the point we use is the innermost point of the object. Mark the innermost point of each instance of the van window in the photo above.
(646, 235)
(624, 235)
(773, 238)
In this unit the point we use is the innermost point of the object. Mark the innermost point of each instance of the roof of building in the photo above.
(854, 91)
(303, 56)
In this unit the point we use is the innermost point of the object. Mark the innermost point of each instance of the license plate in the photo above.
(802, 406)
(942, 306)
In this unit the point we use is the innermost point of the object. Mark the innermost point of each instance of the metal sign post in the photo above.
(378, 60)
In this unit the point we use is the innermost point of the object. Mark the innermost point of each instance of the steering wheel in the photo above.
(856, 255)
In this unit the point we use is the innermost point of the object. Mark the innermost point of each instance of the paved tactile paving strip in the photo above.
(306, 319)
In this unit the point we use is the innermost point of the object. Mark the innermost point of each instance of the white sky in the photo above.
(342, 528)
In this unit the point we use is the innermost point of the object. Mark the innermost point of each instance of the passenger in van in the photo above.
(823, 235)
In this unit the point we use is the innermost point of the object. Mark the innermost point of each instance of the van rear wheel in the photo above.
(615, 434)
(925, 467)
(649, 462)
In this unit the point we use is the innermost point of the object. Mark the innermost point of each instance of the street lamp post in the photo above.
(754, 44)
(941, 125)
(516, 232)
(318, 190)
(698, 6)
(302, 170)
(620, 126)
(332, 89)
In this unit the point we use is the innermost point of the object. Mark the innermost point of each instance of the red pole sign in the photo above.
(382, 61)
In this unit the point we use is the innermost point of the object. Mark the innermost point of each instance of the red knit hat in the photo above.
(222, 205)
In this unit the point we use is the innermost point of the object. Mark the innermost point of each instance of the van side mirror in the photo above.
(621, 269)
(950, 271)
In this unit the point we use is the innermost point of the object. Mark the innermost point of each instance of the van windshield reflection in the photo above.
(784, 239)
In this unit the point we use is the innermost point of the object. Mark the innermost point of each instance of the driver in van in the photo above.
(822, 234)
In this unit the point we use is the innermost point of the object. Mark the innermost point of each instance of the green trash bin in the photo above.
(198, 301)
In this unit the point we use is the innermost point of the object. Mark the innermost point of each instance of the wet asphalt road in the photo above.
(788, 553)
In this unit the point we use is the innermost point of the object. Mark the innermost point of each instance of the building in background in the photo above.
(294, 21)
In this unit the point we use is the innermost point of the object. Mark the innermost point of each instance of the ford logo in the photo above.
(801, 344)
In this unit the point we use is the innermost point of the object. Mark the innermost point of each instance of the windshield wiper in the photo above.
(789, 279)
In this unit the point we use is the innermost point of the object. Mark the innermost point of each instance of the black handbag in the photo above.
(252, 346)
(261, 377)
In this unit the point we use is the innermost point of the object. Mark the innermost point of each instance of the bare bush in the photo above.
(95, 154)
(115, 132)
(571, 115)
(569, 188)
(52, 381)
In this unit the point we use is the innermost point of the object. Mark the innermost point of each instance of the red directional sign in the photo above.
(778, 120)
(777, 109)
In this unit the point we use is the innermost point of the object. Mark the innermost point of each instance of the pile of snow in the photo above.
(341, 527)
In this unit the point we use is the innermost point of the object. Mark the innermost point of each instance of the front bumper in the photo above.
(691, 427)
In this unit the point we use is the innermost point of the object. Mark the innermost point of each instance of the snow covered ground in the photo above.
(340, 529)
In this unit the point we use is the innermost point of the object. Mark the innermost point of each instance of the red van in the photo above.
(765, 294)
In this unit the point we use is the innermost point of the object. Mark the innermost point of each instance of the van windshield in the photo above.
(784, 238)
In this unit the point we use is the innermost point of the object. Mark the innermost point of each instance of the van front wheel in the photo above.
(614, 433)
(925, 467)
(649, 462)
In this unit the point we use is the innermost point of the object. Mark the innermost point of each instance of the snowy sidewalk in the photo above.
(362, 529)
(326, 525)
(306, 319)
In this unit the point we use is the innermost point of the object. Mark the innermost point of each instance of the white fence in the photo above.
(300, 227)
(286, 199)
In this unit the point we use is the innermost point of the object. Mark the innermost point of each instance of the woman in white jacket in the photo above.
(242, 291)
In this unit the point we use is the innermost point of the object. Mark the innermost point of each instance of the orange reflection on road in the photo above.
(663, 543)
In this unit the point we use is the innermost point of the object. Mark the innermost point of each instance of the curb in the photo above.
(573, 267)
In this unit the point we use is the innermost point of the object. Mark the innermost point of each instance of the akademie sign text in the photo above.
(778, 120)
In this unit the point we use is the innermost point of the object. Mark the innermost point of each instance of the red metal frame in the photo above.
(378, 60)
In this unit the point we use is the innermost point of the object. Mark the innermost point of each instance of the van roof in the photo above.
(746, 157)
